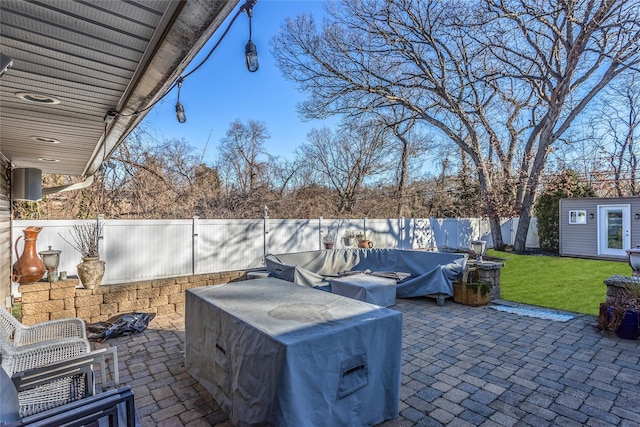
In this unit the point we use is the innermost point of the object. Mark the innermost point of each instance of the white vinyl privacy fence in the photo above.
(151, 249)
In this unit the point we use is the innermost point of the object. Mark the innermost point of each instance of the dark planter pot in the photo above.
(629, 329)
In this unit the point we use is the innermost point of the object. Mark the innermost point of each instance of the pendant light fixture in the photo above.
(250, 50)
(180, 114)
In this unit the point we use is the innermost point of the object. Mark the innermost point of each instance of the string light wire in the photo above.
(246, 7)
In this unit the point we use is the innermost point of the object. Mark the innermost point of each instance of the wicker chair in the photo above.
(27, 347)
(15, 332)
(46, 404)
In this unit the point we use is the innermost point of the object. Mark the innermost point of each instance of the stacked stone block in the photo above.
(490, 271)
(42, 301)
(616, 288)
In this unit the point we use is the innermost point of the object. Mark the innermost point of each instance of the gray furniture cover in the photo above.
(431, 272)
(274, 353)
(365, 287)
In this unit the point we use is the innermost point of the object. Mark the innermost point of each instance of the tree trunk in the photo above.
(404, 160)
(489, 197)
(519, 245)
(496, 233)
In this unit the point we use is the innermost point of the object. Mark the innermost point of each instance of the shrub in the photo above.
(547, 208)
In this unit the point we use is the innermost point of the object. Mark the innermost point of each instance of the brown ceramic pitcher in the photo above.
(29, 267)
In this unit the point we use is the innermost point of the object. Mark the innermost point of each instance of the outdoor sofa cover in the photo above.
(431, 273)
(274, 353)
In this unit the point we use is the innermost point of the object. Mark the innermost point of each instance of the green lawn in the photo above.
(569, 284)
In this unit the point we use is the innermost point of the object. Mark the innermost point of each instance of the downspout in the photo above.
(69, 187)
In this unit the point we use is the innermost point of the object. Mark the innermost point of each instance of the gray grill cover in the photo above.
(431, 272)
(274, 353)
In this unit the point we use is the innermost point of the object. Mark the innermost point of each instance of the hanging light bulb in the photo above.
(180, 114)
(250, 50)
(251, 53)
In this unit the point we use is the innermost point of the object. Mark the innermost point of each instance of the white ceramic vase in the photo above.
(90, 272)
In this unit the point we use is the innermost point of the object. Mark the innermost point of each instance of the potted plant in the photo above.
(86, 239)
(621, 315)
(349, 238)
(328, 240)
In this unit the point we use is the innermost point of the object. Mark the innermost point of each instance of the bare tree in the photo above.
(285, 174)
(604, 151)
(619, 121)
(241, 155)
(179, 160)
(577, 150)
(405, 54)
(411, 146)
(146, 178)
(501, 79)
(343, 160)
(204, 191)
(567, 52)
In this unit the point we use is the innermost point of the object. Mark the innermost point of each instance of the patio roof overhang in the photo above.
(74, 62)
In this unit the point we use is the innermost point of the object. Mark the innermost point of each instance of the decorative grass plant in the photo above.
(86, 238)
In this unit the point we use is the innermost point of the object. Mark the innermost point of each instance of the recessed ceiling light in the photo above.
(45, 139)
(38, 98)
(46, 159)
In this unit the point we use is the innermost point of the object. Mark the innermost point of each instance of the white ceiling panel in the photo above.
(93, 56)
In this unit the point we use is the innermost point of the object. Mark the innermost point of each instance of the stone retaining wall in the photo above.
(490, 271)
(616, 288)
(42, 301)
(487, 271)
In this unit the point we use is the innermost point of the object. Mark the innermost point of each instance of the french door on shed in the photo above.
(614, 229)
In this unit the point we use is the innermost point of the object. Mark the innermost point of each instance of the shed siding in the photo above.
(582, 239)
(578, 239)
(635, 223)
(5, 234)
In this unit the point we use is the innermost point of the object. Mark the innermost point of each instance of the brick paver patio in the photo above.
(462, 366)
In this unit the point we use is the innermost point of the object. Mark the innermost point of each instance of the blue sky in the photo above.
(222, 90)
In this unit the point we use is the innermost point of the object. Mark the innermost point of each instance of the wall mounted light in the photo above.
(250, 50)
(591, 216)
(180, 114)
(637, 216)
